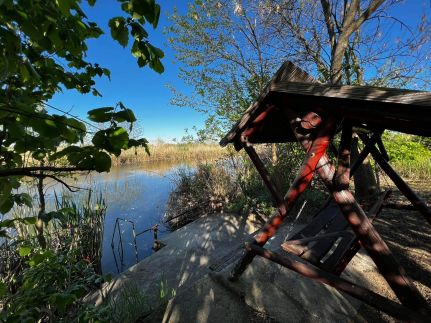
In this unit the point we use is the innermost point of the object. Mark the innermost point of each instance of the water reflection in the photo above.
(137, 194)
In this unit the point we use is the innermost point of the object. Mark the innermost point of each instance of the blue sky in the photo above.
(144, 90)
(141, 89)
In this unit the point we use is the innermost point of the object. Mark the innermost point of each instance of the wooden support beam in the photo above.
(362, 155)
(264, 174)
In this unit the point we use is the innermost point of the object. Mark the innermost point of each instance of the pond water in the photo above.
(135, 194)
(139, 195)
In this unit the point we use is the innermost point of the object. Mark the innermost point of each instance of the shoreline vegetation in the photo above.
(231, 184)
(171, 152)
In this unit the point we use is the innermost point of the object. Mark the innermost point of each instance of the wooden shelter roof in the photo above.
(292, 88)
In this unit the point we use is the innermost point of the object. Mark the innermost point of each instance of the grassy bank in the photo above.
(160, 152)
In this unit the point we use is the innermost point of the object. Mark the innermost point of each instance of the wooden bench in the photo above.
(327, 241)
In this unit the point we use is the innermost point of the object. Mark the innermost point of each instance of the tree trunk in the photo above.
(39, 222)
(366, 188)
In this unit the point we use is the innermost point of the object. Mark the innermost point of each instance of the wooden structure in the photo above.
(296, 107)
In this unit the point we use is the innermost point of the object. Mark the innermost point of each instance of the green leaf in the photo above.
(102, 162)
(119, 30)
(40, 257)
(125, 115)
(38, 154)
(24, 251)
(65, 152)
(118, 138)
(46, 127)
(107, 73)
(9, 223)
(156, 15)
(101, 114)
(6, 205)
(62, 300)
(23, 199)
(157, 52)
(29, 220)
(3, 289)
(157, 66)
(65, 5)
(99, 139)
(76, 124)
(138, 32)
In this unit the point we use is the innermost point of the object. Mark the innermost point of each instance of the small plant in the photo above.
(128, 305)
(47, 284)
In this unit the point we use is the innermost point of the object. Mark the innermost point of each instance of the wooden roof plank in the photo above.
(365, 93)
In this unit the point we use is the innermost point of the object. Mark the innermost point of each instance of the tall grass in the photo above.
(165, 151)
(71, 223)
(84, 219)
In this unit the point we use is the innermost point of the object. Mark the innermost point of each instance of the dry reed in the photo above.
(160, 152)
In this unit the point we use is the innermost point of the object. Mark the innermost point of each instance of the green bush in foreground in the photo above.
(51, 290)
(47, 285)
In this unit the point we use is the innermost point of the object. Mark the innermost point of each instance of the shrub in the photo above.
(234, 185)
(51, 289)
(408, 154)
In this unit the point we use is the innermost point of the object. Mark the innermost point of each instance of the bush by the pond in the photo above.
(51, 289)
(47, 284)
(233, 185)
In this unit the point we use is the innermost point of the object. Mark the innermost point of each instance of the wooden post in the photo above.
(307, 270)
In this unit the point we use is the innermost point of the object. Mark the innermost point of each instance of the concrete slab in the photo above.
(266, 292)
(186, 257)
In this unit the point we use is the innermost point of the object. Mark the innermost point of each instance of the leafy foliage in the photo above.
(43, 49)
(48, 284)
(402, 147)
(51, 290)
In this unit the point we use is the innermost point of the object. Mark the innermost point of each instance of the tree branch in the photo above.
(326, 6)
(349, 26)
(29, 171)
